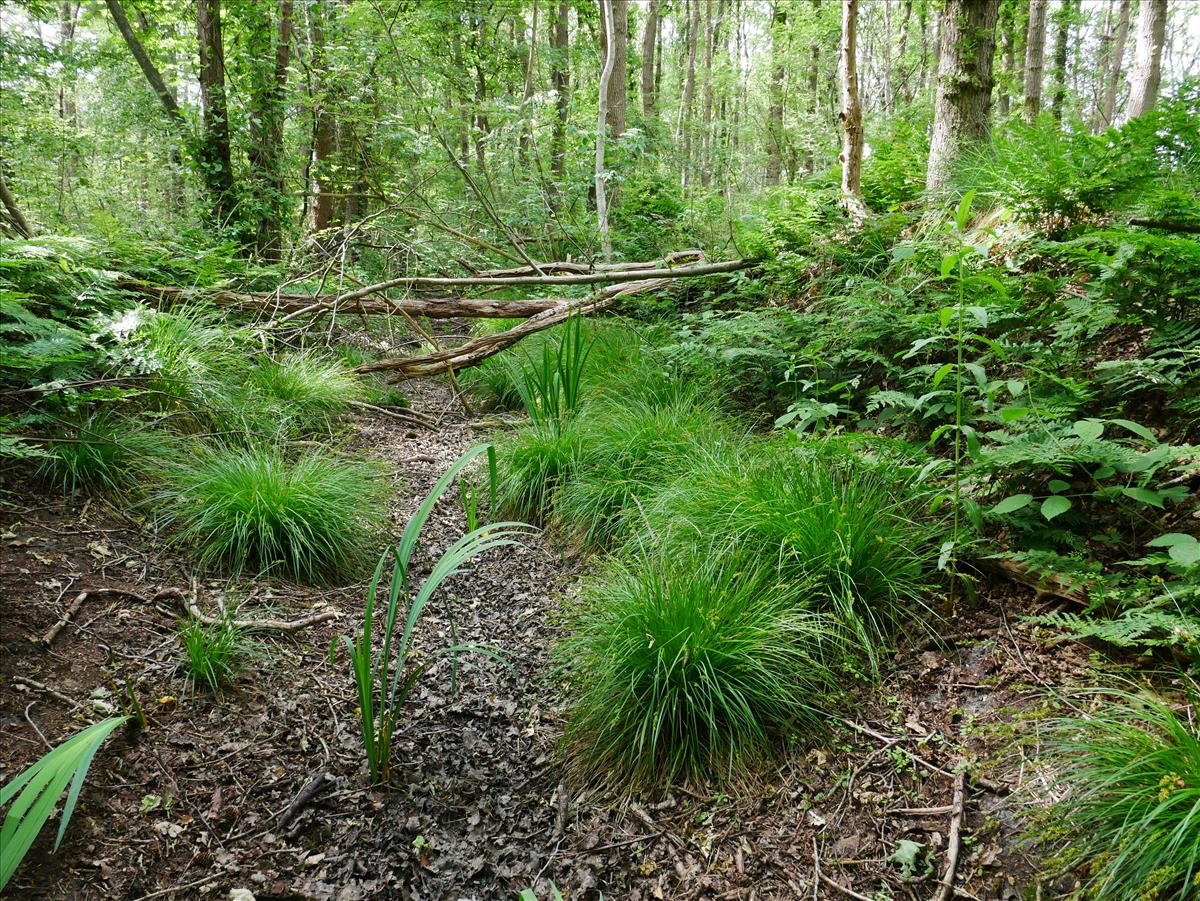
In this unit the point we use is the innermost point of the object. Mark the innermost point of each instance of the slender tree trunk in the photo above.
(215, 161)
(1062, 23)
(962, 109)
(482, 124)
(1007, 58)
(68, 10)
(775, 135)
(814, 67)
(1112, 79)
(560, 81)
(266, 145)
(649, 36)
(689, 90)
(606, 74)
(324, 125)
(527, 96)
(1035, 59)
(12, 209)
(851, 116)
(887, 59)
(1147, 58)
(706, 115)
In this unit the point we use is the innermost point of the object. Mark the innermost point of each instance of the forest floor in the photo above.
(204, 800)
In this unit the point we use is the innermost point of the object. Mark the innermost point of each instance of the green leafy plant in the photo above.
(213, 652)
(1130, 818)
(310, 389)
(386, 676)
(313, 517)
(36, 792)
(105, 454)
(687, 666)
(550, 386)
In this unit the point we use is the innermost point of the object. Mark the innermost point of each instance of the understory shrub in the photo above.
(843, 535)
(1131, 814)
(688, 666)
(314, 518)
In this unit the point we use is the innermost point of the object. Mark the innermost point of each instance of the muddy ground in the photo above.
(263, 788)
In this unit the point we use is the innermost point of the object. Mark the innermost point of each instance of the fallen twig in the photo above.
(922, 811)
(258, 625)
(38, 686)
(48, 638)
(848, 892)
(981, 781)
(304, 798)
(946, 887)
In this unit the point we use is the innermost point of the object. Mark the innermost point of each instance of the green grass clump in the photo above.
(687, 666)
(843, 534)
(1131, 814)
(627, 451)
(213, 653)
(104, 454)
(314, 518)
(532, 462)
(308, 389)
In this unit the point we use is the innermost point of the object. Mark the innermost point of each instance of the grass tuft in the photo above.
(314, 518)
(687, 667)
(104, 455)
(311, 390)
(1131, 814)
(213, 653)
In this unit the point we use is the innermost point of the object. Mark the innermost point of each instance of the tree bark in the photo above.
(324, 125)
(155, 80)
(649, 35)
(1147, 58)
(215, 163)
(1035, 59)
(1007, 58)
(560, 81)
(527, 95)
(1062, 22)
(266, 145)
(606, 73)
(775, 136)
(12, 209)
(962, 109)
(851, 115)
(617, 100)
(689, 90)
(706, 114)
(1115, 62)
(814, 67)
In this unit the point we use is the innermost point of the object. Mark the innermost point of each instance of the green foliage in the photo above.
(105, 454)
(550, 385)
(894, 173)
(1130, 818)
(533, 463)
(385, 677)
(646, 221)
(687, 666)
(843, 536)
(213, 652)
(314, 517)
(625, 453)
(36, 792)
(312, 391)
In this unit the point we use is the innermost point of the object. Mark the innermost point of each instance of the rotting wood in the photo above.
(52, 633)
(1052, 584)
(303, 798)
(475, 351)
(678, 258)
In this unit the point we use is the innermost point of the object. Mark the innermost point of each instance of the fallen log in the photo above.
(569, 267)
(475, 351)
(166, 296)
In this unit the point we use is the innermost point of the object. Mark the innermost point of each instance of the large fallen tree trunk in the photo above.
(475, 351)
(679, 258)
(166, 296)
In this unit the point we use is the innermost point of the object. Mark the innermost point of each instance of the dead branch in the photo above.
(48, 638)
(568, 267)
(1053, 585)
(946, 887)
(1190, 228)
(257, 625)
(821, 877)
(477, 350)
(304, 798)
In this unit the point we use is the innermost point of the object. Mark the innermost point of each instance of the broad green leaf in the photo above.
(902, 252)
(944, 370)
(1013, 503)
(1144, 496)
(1185, 554)
(980, 314)
(1171, 539)
(1088, 429)
(1139, 430)
(1012, 414)
(1055, 505)
(1058, 486)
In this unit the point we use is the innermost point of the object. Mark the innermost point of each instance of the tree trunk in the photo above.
(1112, 80)
(1035, 59)
(851, 116)
(649, 35)
(1147, 58)
(560, 81)
(1007, 58)
(814, 67)
(324, 125)
(12, 209)
(215, 162)
(775, 135)
(618, 84)
(962, 109)
(165, 97)
(689, 90)
(1062, 22)
(706, 115)
(266, 129)
(527, 96)
(606, 74)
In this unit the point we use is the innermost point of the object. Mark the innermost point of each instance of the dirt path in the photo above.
(193, 809)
